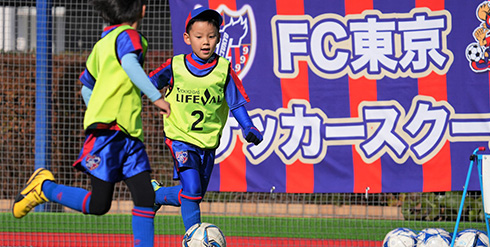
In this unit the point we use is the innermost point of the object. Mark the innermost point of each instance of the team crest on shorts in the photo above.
(181, 156)
(238, 38)
(92, 162)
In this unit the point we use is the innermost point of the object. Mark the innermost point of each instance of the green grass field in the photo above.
(314, 228)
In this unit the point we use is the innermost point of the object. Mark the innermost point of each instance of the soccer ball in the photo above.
(471, 238)
(204, 234)
(433, 237)
(474, 52)
(400, 237)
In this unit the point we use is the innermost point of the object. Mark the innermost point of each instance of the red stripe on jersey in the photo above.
(191, 60)
(87, 147)
(362, 89)
(169, 145)
(164, 65)
(112, 27)
(299, 176)
(435, 85)
(105, 126)
(135, 38)
(233, 170)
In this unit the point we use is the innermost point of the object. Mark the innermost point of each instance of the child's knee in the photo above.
(99, 208)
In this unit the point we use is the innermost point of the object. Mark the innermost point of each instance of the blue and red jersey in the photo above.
(235, 94)
(128, 41)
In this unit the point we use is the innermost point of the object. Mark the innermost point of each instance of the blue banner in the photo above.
(353, 96)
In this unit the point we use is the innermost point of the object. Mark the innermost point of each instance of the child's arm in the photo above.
(161, 76)
(251, 133)
(130, 64)
(86, 94)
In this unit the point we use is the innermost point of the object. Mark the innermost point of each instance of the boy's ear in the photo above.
(143, 11)
(187, 39)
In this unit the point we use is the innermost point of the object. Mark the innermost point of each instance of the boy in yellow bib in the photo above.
(113, 150)
(203, 88)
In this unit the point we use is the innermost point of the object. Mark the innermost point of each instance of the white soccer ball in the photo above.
(471, 238)
(400, 237)
(474, 52)
(204, 234)
(433, 237)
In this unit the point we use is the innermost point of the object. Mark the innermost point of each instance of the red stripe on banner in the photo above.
(433, 5)
(214, 4)
(237, 58)
(299, 176)
(367, 177)
(296, 88)
(233, 171)
(356, 6)
(435, 85)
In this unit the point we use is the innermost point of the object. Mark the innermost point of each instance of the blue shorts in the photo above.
(186, 155)
(112, 155)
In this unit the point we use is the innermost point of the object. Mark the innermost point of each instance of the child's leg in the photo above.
(41, 188)
(32, 194)
(97, 202)
(190, 197)
(143, 215)
(166, 195)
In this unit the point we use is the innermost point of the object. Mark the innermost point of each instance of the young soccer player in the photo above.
(113, 150)
(202, 89)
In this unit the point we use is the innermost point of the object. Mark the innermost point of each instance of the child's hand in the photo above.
(252, 135)
(163, 105)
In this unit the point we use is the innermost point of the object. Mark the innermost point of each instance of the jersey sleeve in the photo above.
(161, 76)
(87, 79)
(235, 92)
(129, 41)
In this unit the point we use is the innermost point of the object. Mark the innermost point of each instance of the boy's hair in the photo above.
(203, 14)
(119, 11)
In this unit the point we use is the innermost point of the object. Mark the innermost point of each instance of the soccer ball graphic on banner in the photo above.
(471, 238)
(400, 237)
(204, 234)
(474, 52)
(433, 237)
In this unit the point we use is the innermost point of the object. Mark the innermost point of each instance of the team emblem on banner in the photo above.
(238, 38)
(478, 52)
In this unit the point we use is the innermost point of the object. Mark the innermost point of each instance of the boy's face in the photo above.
(203, 38)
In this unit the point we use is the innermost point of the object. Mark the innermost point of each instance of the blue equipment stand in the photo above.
(479, 158)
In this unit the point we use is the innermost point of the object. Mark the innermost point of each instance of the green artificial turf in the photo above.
(315, 228)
